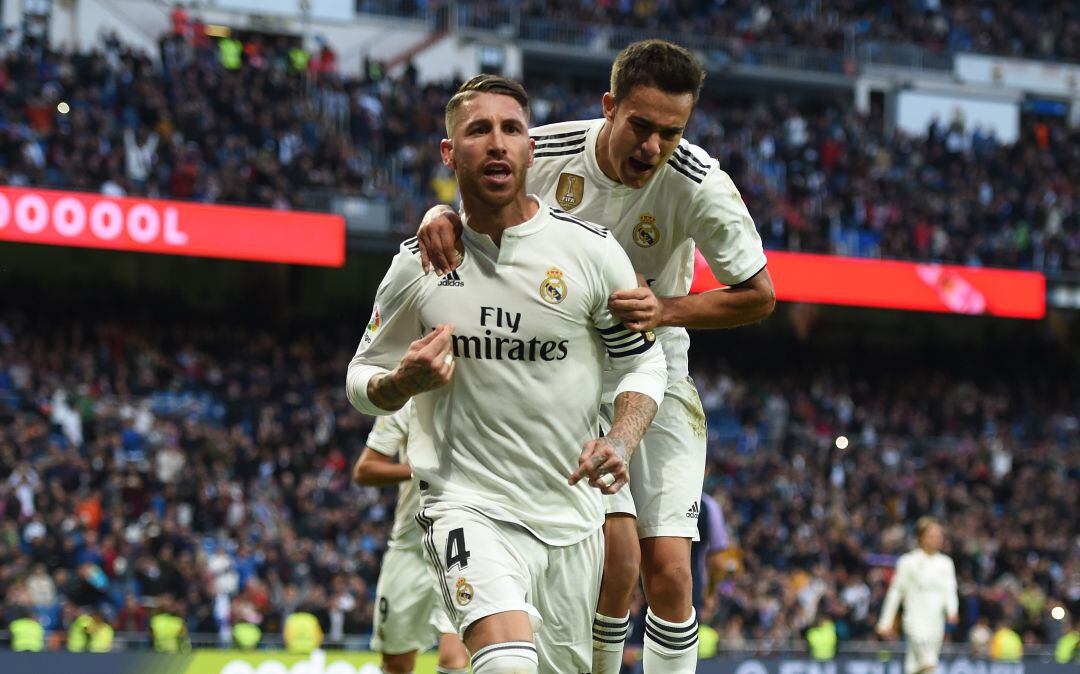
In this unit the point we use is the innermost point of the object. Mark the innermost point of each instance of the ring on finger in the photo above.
(448, 360)
(607, 479)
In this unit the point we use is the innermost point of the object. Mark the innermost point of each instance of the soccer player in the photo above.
(409, 614)
(707, 552)
(925, 583)
(503, 359)
(632, 172)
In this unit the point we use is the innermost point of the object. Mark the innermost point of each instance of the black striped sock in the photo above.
(668, 638)
(520, 650)
(609, 633)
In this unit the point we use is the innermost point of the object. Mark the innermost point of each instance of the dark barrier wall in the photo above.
(201, 661)
(92, 663)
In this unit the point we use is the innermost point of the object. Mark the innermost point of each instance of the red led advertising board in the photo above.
(890, 284)
(30, 215)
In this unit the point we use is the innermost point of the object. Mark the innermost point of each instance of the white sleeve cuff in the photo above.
(356, 386)
(640, 382)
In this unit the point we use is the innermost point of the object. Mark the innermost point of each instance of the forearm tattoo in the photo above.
(633, 414)
(385, 393)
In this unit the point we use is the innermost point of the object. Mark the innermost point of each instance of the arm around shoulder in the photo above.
(718, 221)
(636, 356)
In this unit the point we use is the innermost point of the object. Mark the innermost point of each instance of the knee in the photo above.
(398, 663)
(452, 653)
(668, 582)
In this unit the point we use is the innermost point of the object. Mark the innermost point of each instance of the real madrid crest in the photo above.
(464, 592)
(570, 190)
(553, 288)
(646, 233)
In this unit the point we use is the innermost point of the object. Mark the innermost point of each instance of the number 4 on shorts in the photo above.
(456, 552)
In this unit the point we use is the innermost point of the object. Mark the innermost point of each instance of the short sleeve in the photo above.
(723, 230)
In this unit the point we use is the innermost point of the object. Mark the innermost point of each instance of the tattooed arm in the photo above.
(638, 361)
(391, 363)
(427, 365)
(633, 414)
(611, 454)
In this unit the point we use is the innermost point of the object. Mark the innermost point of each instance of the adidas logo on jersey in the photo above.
(452, 279)
(693, 512)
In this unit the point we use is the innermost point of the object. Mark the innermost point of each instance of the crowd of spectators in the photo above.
(207, 467)
(816, 175)
(994, 457)
(823, 179)
(1045, 30)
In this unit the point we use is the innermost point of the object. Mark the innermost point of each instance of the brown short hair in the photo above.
(485, 84)
(922, 524)
(656, 63)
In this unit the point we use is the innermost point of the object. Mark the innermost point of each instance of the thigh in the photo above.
(404, 598)
(566, 596)
(482, 564)
(667, 473)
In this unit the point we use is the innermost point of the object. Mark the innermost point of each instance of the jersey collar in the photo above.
(506, 252)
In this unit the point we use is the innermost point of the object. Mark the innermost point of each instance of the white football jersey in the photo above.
(688, 201)
(532, 328)
(389, 437)
(926, 586)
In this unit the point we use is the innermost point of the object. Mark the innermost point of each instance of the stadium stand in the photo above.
(817, 176)
(207, 465)
(203, 467)
(1045, 30)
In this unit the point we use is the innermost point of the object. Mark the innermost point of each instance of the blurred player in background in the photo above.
(632, 172)
(409, 615)
(507, 392)
(706, 554)
(925, 584)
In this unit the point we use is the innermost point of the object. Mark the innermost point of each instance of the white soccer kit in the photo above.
(495, 447)
(409, 612)
(688, 201)
(926, 586)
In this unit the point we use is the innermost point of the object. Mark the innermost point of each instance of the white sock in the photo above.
(508, 657)
(670, 648)
(608, 640)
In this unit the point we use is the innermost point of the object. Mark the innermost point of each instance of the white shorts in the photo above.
(668, 469)
(922, 652)
(409, 611)
(488, 567)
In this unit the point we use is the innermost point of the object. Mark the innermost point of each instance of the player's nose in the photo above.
(651, 146)
(497, 143)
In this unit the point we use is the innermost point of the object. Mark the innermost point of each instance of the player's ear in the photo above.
(608, 102)
(532, 150)
(446, 149)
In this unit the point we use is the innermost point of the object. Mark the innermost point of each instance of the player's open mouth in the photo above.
(497, 172)
(639, 166)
